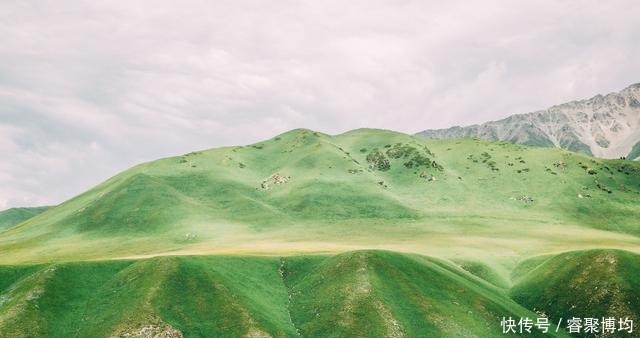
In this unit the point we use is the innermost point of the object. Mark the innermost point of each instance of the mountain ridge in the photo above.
(606, 126)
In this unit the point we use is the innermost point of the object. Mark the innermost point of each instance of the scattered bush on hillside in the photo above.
(427, 176)
(437, 166)
(417, 160)
(628, 170)
(603, 187)
(363, 150)
(624, 188)
(377, 160)
(241, 165)
(428, 151)
(492, 166)
(399, 151)
(257, 146)
(485, 157)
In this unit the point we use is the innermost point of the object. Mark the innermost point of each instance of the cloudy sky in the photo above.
(89, 88)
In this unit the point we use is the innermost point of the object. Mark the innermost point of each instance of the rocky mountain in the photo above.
(603, 126)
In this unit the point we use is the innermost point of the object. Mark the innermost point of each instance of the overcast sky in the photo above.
(88, 89)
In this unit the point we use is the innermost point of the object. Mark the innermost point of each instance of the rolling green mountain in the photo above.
(356, 294)
(305, 191)
(370, 233)
(14, 216)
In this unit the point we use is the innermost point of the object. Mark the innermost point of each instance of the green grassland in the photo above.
(370, 233)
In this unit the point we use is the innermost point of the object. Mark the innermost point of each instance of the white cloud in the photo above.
(88, 89)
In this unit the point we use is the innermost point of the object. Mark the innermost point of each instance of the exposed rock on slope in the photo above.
(604, 126)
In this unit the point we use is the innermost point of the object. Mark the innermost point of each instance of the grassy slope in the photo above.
(334, 202)
(14, 216)
(357, 294)
(384, 294)
(593, 283)
(199, 296)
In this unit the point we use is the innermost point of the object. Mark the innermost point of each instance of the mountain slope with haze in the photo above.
(14, 216)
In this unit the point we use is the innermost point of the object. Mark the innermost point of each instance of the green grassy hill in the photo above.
(305, 191)
(357, 294)
(14, 216)
(593, 283)
(370, 233)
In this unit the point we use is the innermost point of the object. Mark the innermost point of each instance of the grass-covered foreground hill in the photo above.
(370, 233)
(355, 294)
